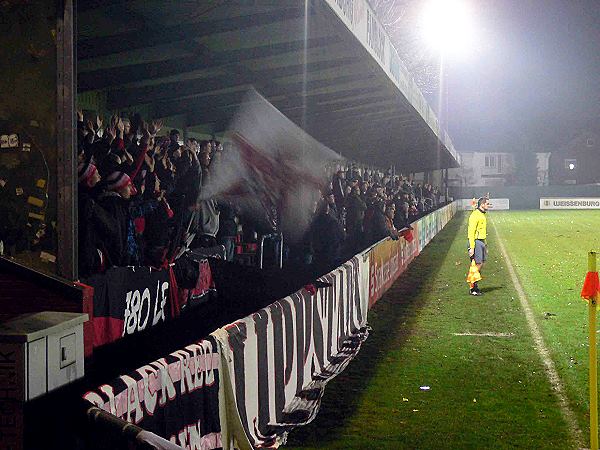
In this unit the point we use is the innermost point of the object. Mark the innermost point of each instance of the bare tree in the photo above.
(400, 19)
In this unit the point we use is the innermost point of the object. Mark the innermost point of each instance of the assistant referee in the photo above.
(477, 233)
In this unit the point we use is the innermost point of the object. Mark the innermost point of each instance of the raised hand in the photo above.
(111, 133)
(163, 143)
(128, 158)
(146, 136)
(149, 162)
(89, 125)
(155, 127)
(120, 128)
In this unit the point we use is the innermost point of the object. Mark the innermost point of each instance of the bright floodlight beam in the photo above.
(448, 26)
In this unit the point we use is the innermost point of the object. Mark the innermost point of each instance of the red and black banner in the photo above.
(128, 300)
(175, 397)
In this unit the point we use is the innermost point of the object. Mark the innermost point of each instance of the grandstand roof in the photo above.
(330, 70)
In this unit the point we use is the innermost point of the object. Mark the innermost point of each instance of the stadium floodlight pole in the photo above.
(591, 293)
(448, 28)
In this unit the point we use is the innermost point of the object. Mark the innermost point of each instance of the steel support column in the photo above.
(65, 130)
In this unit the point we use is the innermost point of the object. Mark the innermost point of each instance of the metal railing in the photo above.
(278, 240)
(129, 436)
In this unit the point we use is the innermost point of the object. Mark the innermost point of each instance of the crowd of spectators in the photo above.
(361, 207)
(139, 194)
(140, 201)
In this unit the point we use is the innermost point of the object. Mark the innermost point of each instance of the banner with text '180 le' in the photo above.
(128, 300)
(175, 397)
(280, 358)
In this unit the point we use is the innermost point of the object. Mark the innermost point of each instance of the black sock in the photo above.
(475, 287)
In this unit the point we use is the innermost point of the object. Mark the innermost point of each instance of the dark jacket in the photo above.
(187, 183)
(227, 224)
(166, 176)
(158, 233)
(355, 214)
(376, 229)
(339, 191)
(96, 226)
(116, 242)
(327, 238)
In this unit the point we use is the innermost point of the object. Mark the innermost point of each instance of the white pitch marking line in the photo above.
(542, 350)
(489, 334)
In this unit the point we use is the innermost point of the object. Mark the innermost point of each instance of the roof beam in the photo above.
(87, 5)
(341, 131)
(118, 76)
(142, 38)
(328, 82)
(343, 107)
(125, 97)
(195, 105)
(201, 114)
(356, 107)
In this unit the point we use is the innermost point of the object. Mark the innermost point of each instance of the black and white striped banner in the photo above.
(280, 358)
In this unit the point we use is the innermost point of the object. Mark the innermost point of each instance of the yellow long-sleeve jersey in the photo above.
(477, 227)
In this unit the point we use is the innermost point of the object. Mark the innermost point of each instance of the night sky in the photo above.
(533, 80)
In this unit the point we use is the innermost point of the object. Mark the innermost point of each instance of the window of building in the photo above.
(570, 164)
(589, 142)
(490, 161)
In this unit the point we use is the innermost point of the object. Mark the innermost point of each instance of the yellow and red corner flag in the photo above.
(591, 293)
(473, 276)
(591, 286)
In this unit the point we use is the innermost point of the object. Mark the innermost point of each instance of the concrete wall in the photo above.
(526, 197)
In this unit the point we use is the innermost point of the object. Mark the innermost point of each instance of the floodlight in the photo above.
(448, 26)
(571, 166)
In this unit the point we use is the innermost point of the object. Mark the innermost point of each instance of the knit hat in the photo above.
(85, 171)
(118, 180)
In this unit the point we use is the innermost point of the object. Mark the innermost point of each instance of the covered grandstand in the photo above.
(326, 65)
(329, 68)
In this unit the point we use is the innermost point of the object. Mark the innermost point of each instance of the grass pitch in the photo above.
(549, 252)
(485, 391)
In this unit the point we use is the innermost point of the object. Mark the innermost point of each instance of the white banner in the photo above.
(569, 203)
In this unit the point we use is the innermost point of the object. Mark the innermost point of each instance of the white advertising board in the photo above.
(496, 204)
(569, 203)
(499, 204)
